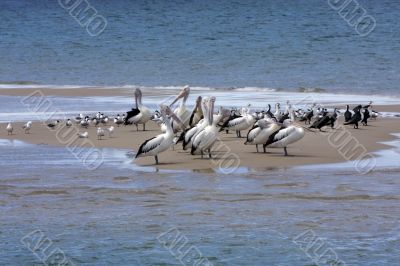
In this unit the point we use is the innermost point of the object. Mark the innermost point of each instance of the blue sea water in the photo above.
(260, 43)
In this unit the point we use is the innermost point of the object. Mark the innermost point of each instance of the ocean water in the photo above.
(226, 43)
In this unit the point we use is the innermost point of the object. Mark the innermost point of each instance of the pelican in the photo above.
(260, 133)
(83, 135)
(9, 129)
(100, 133)
(160, 143)
(205, 139)
(27, 127)
(182, 112)
(278, 114)
(243, 122)
(197, 113)
(288, 134)
(139, 115)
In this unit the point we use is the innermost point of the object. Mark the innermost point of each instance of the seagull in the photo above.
(83, 135)
(79, 118)
(53, 125)
(9, 129)
(68, 123)
(100, 133)
(27, 127)
(110, 131)
(85, 122)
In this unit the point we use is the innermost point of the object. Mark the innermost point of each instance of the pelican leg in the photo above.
(156, 157)
(144, 126)
(137, 127)
(285, 149)
(240, 134)
(209, 153)
(257, 147)
(264, 148)
(202, 154)
(227, 131)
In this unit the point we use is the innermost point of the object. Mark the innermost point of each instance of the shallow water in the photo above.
(115, 214)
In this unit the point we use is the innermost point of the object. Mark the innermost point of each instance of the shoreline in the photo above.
(314, 148)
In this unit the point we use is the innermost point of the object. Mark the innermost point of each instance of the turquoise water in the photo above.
(267, 44)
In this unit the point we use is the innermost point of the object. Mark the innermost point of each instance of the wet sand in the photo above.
(314, 148)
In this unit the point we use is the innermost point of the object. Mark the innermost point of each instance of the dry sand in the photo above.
(314, 148)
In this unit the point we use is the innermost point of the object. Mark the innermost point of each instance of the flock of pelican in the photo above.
(198, 128)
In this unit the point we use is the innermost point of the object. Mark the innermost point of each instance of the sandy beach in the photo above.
(314, 148)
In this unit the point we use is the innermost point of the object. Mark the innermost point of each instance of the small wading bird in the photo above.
(53, 124)
(110, 131)
(100, 133)
(27, 127)
(68, 123)
(9, 129)
(83, 135)
(162, 142)
(139, 115)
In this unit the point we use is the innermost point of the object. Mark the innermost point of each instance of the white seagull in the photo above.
(68, 123)
(100, 133)
(83, 135)
(9, 129)
(110, 131)
(27, 127)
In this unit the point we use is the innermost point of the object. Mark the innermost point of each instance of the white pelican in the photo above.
(182, 112)
(287, 135)
(189, 135)
(160, 143)
(100, 133)
(197, 113)
(83, 135)
(206, 138)
(243, 122)
(139, 115)
(9, 129)
(110, 131)
(260, 133)
(27, 127)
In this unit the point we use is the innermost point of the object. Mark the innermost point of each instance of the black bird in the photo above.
(365, 117)
(356, 118)
(333, 117)
(269, 113)
(347, 114)
(325, 120)
(307, 117)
